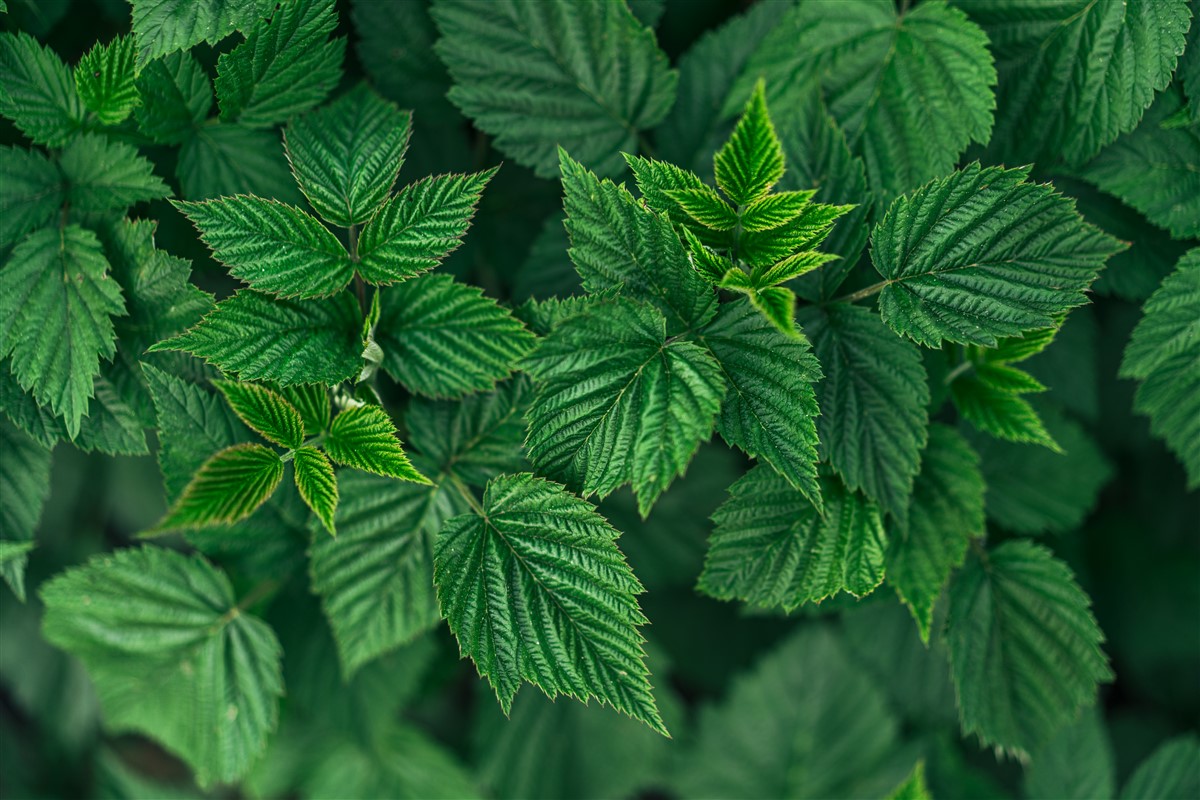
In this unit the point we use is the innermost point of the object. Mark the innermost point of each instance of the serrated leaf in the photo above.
(272, 246)
(771, 547)
(946, 512)
(618, 403)
(176, 96)
(346, 155)
(222, 160)
(1074, 75)
(229, 487)
(105, 78)
(171, 655)
(521, 76)
(1075, 764)
(706, 207)
(773, 210)
(56, 308)
(285, 66)
(419, 226)
(265, 412)
(1169, 773)
(312, 403)
(751, 162)
(1024, 646)
(39, 92)
(103, 175)
(1164, 354)
(618, 243)
(31, 190)
(164, 26)
(255, 338)
(375, 580)
(911, 89)
(537, 590)
(770, 408)
(363, 437)
(657, 181)
(982, 254)
(996, 409)
(876, 395)
(778, 305)
(317, 484)
(25, 485)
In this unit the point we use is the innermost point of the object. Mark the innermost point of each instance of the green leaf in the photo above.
(706, 207)
(997, 408)
(285, 66)
(1169, 773)
(617, 243)
(1076, 74)
(39, 93)
(56, 307)
(229, 487)
(537, 590)
(363, 437)
(317, 484)
(103, 175)
(914, 788)
(176, 96)
(375, 580)
(806, 721)
(311, 401)
(105, 78)
(1164, 354)
(618, 403)
(272, 246)
(982, 254)
(521, 76)
(221, 160)
(751, 162)
(164, 26)
(778, 305)
(265, 412)
(1024, 646)
(946, 512)
(1155, 169)
(25, 485)
(171, 655)
(1076, 764)
(875, 395)
(774, 210)
(346, 155)
(31, 190)
(770, 408)
(419, 226)
(253, 337)
(771, 547)
(911, 89)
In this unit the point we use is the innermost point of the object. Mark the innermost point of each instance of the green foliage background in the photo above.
(1087, 446)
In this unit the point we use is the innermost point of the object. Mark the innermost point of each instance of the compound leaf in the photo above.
(317, 484)
(751, 162)
(103, 175)
(105, 78)
(536, 590)
(363, 437)
(229, 487)
(265, 411)
(520, 73)
(39, 92)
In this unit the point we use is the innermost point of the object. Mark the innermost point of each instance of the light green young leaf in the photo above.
(285, 67)
(706, 207)
(442, 338)
(272, 246)
(229, 487)
(1075, 764)
(914, 788)
(1164, 354)
(38, 93)
(946, 512)
(778, 305)
(1074, 75)
(105, 78)
(31, 190)
(773, 210)
(346, 155)
(164, 26)
(317, 484)
(176, 97)
(751, 162)
(982, 254)
(618, 403)
(536, 590)
(265, 412)
(25, 485)
(1024, 646)
(419, 226)
(617, 243)
(103, 175)
(56, 308)
(995, 406)
(521, 76)
(255, 338)
(312, 403)
(770, 408)
(171, 655)
(771, 547)
(911, 89)
(657, 181)
(363, 437)
(223, 160)
(375, 580)
(1170, 773)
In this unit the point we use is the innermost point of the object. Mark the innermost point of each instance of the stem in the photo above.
(959, 370)
(466, 494)
(360, 286)
(861, 294)
(264, 588)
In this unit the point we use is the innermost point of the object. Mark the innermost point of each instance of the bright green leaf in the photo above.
(265, 412)
(229, 487)
(706, 207)
(363, 437)
(317, 484)
(105, 78)
(39, 92)
(751, 162)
